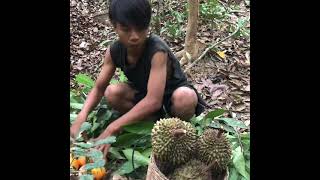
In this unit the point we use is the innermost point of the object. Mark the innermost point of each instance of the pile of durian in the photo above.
(182, 155)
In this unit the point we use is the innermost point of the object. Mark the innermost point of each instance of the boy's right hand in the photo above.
(75, 128)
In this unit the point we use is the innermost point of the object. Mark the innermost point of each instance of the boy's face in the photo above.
(131, 36)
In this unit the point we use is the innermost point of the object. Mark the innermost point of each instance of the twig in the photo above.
(210, 47)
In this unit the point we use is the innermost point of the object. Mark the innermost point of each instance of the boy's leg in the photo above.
(184, 101)
(120, 97)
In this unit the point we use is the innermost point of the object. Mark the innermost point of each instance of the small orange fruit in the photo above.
(75, 164)
(82, 160)
(98, 173)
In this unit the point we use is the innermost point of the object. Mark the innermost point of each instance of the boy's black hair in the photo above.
(130, 12)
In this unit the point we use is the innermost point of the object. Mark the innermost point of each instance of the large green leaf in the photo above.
(233, 122)
(72, 117)
(84, 145)
(147, 152)
(138, 157)
(76, 105)
(77, 151)
(97, 164)
(233, 174)
(127, 168)
(239, 162)
(126, 139)
(108, 140)
(85, 126)
(115, 152)
(143, 127)
(95, 154)
(86, 177)
(85, 80)
(215, 113)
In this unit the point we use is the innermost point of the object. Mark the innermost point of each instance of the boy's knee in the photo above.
(184, 99)
(112, 92)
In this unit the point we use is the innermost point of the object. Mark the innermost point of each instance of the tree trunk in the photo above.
(190, 51)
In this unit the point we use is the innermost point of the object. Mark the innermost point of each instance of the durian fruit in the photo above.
(215, 149)
(173, 141)
(192, 170)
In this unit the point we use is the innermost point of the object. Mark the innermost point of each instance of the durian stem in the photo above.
(177, 133)
(219, 133)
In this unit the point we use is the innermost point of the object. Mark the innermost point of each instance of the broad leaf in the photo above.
(76, 105)
(86, 177)
(95, 155)
(126, 139)
(85, 126)
(108, 140)
(233, 122)
(84, 145)
(115, 152)
(138, 157)
(127, 168)
(97, 164)
(144, 127)
(215, 113)
(239, 162)
(233, 174)
(85, 80)
(147, 152)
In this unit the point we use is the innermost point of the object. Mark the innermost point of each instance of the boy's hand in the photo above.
(75, 128)
(111, 130)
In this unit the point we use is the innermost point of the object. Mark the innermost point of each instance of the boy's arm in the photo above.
(151, 103)
(96, 93)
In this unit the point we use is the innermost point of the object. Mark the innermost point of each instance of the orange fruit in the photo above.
(98, 173)
(75, 164)
(82, 160)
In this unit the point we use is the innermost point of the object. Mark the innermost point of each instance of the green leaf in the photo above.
(239, 162)
(233, 174)
(85, 126)
(114, 81)
(84, 145)
(215, 113)
(85, 80)
(95, 155)
(77, 151)
(72, 99)
(76, 105)
(115, 152)
(143, 127)
(233, 122)
(86, 177)
(147, 152)
(72, 117)
(95, 126)
(123, 77)
(97, 164)
(108, 140)
(127, 168)
(126, 139)
(248, 166)
(138, 157)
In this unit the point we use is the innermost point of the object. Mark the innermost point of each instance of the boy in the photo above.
(156, 82)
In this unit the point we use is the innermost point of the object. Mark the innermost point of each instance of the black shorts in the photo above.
(166, 104)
